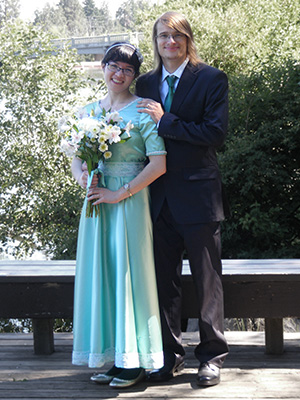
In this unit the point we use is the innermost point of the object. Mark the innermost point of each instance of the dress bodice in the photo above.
(144, 139)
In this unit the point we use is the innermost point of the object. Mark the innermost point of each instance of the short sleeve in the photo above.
(154, 144)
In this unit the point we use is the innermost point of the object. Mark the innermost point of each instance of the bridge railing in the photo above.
(87, 44)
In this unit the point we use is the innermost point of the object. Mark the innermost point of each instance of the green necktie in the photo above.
(171, 79)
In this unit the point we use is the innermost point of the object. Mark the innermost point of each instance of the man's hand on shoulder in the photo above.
(152, 108)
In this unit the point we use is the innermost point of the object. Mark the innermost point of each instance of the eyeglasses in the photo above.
(177, 37)
(115, 68)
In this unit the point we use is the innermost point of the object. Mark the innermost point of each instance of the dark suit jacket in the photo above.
(193, 129)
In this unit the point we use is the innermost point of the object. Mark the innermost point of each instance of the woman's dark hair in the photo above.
(124, 52)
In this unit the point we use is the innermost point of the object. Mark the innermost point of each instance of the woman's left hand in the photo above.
(102, 195)
(151, 107)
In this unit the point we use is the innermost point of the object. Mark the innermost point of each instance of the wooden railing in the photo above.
(43, 291)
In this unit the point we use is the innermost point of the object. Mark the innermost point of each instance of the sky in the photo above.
(27, 7)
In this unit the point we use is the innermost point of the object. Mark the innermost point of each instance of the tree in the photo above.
(40, 202)
(89, 8)
(60, 21)
(9, 9)
(260, 165)
(99, 20)
(52, 20)
(75, 17)
(65, 20)
(127, 13)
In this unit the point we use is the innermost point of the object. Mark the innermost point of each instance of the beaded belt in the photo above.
(121, 169)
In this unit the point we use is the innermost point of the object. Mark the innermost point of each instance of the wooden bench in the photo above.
(43, 291)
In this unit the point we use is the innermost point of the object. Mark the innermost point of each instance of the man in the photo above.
(187, 201)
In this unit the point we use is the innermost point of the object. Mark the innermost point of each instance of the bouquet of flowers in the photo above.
(89, 138)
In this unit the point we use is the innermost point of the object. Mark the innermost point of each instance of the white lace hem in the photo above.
(132, 360)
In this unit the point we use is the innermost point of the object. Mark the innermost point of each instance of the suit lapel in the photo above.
(154, 85)
(184, 86)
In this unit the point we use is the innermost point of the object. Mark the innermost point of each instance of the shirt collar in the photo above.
(176, 73)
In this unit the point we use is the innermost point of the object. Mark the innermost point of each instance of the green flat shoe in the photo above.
(120, 382)
(107, 377)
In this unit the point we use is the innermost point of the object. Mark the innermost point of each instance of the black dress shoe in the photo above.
(208, 375)
(173, 364)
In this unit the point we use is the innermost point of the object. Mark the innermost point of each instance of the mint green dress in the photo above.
(116, 314)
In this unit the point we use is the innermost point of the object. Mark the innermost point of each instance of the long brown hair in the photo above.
(179, 23)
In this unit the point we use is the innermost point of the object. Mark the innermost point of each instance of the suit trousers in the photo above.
(202, 243)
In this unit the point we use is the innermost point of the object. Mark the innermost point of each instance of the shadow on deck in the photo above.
(248, 372)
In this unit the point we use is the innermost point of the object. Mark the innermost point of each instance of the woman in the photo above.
(116, 315)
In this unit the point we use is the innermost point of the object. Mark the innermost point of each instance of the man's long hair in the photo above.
(179, 23)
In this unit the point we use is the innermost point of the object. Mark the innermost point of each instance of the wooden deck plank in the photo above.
(248, 372)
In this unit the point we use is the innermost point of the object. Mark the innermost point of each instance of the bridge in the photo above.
(99, 44)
